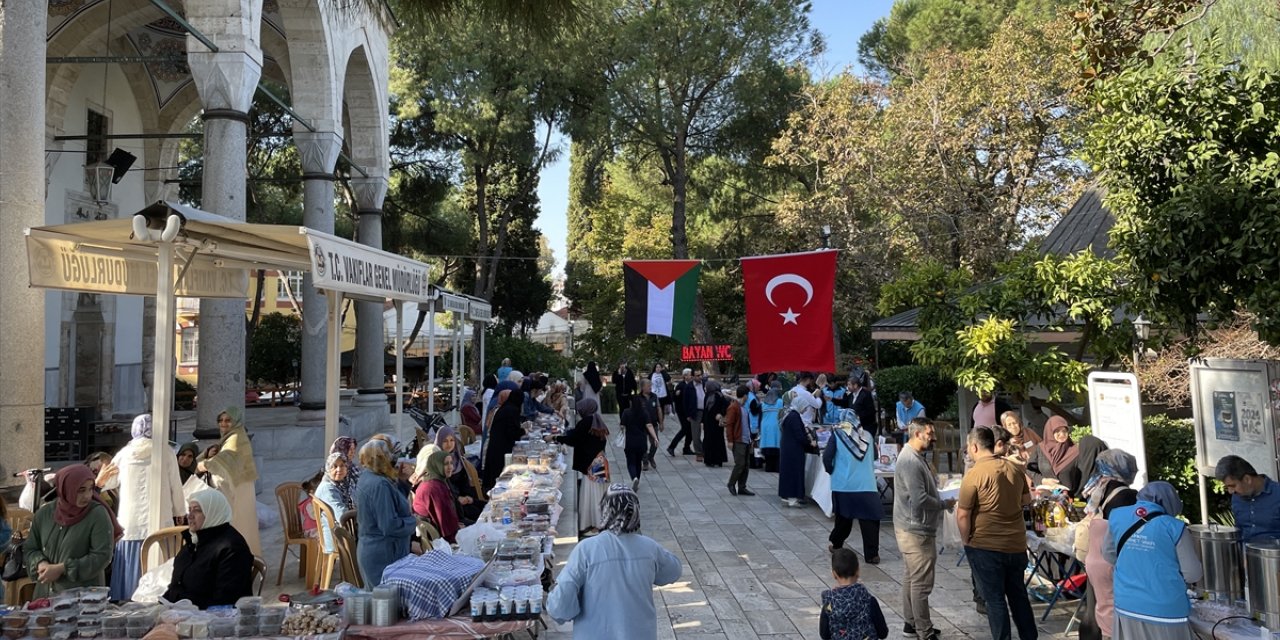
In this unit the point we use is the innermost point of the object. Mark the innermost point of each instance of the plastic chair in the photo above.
(351, 523)
(287, 496)
(325, 560)
(169, 539)
(259, 572)
(474, 476)
(346, 544)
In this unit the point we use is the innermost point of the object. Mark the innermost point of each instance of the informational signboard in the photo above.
(1115, 409)
(1235, 403)
(76, 266)
(454, 303)
(480, 311)
(358, 271)
(706, 352)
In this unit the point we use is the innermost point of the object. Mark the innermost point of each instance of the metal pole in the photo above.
(457, 341)
(162, 383)
(334, 365)
(462, 355)
(400, 372)
(431, 359)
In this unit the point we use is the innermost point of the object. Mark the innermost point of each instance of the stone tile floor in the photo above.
(755, 568)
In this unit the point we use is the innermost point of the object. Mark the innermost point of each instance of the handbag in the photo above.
(15, 563)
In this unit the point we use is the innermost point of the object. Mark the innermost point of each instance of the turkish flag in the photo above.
(789, 302)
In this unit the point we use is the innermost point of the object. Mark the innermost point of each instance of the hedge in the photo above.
(926, 385)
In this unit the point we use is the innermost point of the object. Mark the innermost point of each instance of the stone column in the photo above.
(22, 194)
(226, 82)
(318, 151)
(369, 360)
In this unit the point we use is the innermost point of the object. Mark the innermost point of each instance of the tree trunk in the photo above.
(482, 231)
(252, 323)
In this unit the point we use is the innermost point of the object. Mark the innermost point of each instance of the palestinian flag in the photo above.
(660, 297)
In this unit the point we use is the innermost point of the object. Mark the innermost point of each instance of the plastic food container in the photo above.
(40, 620)
(272, 614)
(222, 627)
(115, 621)
(14, 633)
(136, 632)
(16, 620)
(94, 595)
(249, 605)
(141, 620)
(38, 632)
(269, 630)
(62, 631)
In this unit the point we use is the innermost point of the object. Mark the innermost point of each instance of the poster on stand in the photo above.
(1234, 412)
(1115, 407)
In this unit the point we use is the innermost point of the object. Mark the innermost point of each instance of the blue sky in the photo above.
(841, 22)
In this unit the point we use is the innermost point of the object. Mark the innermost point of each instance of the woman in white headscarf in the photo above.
(215, 566)
(792, 448)
(130, 473)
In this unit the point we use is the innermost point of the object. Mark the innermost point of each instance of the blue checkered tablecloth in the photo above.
(430, 583)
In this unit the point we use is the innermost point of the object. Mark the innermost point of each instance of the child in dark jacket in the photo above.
(849, 611)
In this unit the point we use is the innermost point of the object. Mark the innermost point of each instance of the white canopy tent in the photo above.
(169, 250)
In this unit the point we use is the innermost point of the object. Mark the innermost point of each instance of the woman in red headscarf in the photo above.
(71, 538)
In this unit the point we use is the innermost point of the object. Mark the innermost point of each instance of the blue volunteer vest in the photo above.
(1148, 579)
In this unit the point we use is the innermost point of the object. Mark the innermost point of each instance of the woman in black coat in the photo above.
(714, 453)
(504, 433)
(792, 443)
(588, 437)
(214, 566)
(639, 430)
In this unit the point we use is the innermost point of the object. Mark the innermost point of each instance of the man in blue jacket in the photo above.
(1255, 499)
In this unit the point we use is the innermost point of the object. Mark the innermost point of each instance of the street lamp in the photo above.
(1142, 331)
(826, 236)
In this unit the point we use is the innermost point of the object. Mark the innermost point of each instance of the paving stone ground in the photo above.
(756, 568)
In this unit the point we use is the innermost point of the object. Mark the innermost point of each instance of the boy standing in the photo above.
(849, 611)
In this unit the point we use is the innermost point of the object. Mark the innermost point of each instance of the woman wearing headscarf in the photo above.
(1154, 562)
(470, 412)
(793, 445)
(588, 438)
(433, 500)
(590, 384)
(558, 400)
(192, 480)
(463, 478)
(850, 459)
(503, 435)
(606, 587)
(714, 409)
(770, 426)
(233, 472)
(1022, 441)
(1055, 457)
(71, 538)
(215, 566)
(382, 511)
(1106, 491)
(134, 481)
(329, 491)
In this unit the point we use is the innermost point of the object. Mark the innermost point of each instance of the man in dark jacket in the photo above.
(864, 405)
(682, 414)
(624, 383)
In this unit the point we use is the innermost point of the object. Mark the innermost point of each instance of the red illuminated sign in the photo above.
(705, 352)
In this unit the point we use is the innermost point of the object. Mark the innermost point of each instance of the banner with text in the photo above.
(352, 268)
(68, 265)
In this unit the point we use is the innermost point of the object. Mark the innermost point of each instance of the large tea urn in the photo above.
(1219, 551)
(1262, 566)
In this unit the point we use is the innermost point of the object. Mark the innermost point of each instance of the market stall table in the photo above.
(1055, 561)
(1220, 621)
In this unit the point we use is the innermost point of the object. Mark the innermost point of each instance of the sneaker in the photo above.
(791, 502)
(908, 631)
(932, 634)
(635, 484)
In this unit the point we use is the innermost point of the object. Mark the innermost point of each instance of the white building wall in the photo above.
(66, 191)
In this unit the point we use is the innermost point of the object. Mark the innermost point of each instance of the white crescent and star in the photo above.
(790, 316)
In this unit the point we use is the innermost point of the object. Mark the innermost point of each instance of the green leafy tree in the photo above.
(982, 336)
(276, 349)
(915, 27)
(677, 72)
(1188, 154)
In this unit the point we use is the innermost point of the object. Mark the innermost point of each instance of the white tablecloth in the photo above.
(818, 483)
(1205, 614)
